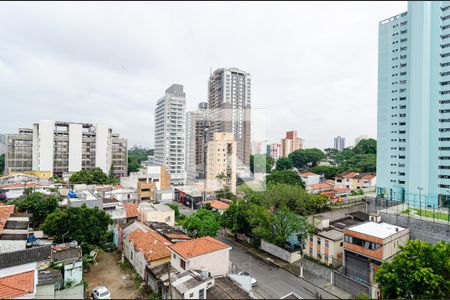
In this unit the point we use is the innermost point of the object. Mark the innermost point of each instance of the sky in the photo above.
(313, 64)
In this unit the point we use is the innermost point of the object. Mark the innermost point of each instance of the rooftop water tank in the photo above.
(72, 194)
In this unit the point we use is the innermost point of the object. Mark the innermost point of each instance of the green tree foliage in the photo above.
(203, 223)
(135, 156)
(283, 224)
(306, 158)
(285, 176)
(366, 146)
(294, 198)
(263, 163)
(39, 205)
(328, 172)
(420, 270)
(87, 226)
(2, 163)
(284, 163)
(330, 154)
(243, 216)
(91, 176)
(175, 209)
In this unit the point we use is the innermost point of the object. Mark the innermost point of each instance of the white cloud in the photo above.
(314, 64)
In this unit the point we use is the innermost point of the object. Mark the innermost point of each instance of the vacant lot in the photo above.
(108, 272)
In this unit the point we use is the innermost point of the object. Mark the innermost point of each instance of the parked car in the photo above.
(254, 282)
(101, 292)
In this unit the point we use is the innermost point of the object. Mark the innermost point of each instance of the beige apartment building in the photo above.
(290, 143)
(221, 158)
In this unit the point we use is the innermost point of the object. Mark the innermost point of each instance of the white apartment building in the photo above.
(170, 133)
(229, 101)
(3, 144)
(222, 158)
(66, 147)
(339, 143)
(196, 139)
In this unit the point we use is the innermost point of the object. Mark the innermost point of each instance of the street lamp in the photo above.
(420, 201)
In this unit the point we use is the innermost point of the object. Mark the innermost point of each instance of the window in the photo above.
(191, 295)
(174, 256)
(131, 255)
(318, 241)
(326, 257)
(341, 244)
(310, 252)
(311, 239)
(326, 244)
(183, 264)
(201, 294)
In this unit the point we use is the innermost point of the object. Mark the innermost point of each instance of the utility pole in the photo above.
(420, 201)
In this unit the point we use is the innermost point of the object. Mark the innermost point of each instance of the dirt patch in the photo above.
(107, 272)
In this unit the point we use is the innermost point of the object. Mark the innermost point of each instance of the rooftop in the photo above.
(20, 185)
(5, 212)
(154, 207)
(188, 280)
(307, 174)
(379, 230)
(22, 257)
(218, 204)
(17, 285)
(152, 248)
(131, 209)
(331, 234)
(226, 288)
(49, 276)
(198, 247)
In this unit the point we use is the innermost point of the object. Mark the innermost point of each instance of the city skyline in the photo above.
(113, 69)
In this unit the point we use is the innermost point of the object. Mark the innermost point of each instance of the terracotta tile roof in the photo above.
(5, 212)
(369, 176)
(177, 236)
(17, 285)
(306, 174)
(331, 182)
(320, 186)
(117, 186)
(349, 175)
(197, 247)
(341, 190)
(131, 210)
(20, 185)
(153, 249)
(218, 204)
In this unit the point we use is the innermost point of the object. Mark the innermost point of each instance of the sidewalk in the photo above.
(315, 282)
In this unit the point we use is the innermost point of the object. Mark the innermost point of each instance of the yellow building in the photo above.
(221, 159)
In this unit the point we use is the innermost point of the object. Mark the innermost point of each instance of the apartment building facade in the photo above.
(66, 147)
(339, 143)
(170, 133)
(413, 144)
(197, 125)
(290, 143)
(274, 151)
(222, 159)
(229, 102)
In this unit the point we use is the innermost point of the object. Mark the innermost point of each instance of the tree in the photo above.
(420, 270)
(285, 176)
(366, 146)
(283, 224)
(328, 172)
(135, 156)
(243, 216)
(263, 163)
(90, 176)
(87, 226)
(293, 198)
(306, 158)
(203, 223)
(284, 163)
(39, 205)
(2, 163)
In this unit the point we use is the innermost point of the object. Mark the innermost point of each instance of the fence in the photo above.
(349, 285)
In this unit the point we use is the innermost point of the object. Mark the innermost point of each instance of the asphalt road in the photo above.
(273, 282)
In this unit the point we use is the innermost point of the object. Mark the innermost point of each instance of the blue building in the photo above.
(413, 150)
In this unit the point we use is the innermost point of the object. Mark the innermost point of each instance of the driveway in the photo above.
(273, 282)
(107, 272)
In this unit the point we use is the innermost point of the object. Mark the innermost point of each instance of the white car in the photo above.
(254, 282)
(101, 292)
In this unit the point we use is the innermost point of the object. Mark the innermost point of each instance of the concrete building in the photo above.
(196, 140)
(204, 253)
(149, 212)
(66, 147)
(339, 143)
(369, 244)
(274, 151)
(170, 133)
(222, 159)
(355, 180)
(229, 102)
(149, 181)
(413, 143)
(3, 144)
(360, 138)
(290, 143)
(310, 178)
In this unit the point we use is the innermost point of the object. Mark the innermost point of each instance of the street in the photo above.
(273, 282)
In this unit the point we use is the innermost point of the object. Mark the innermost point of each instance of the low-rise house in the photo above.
(110, 204)
(146, 248)
(190, 196)
(219, 206)
(80, 197)
(327, 244)
(123, 195)
(369, 244)
(309, 178)
(156, 213)
(16, 190)
(319, 188)
(355, 180)
(132, 213)
(190, 284)
(227, 287)
(206, 253)
(14, 229)
(18, 178)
